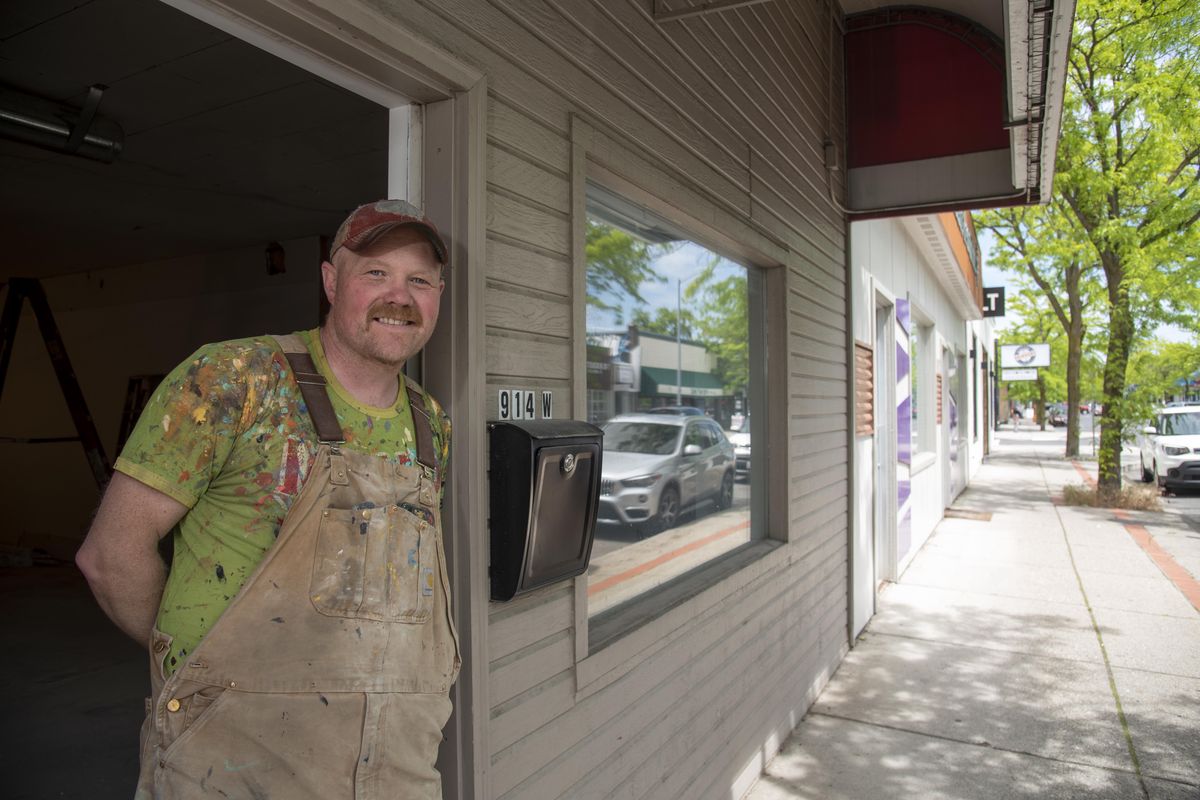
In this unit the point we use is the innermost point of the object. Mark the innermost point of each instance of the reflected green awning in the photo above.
(659, 381)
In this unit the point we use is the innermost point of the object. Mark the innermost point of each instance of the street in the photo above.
(1052, 442)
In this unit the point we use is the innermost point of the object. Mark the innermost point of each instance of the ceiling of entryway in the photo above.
(224, 145)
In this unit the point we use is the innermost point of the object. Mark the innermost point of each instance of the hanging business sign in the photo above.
(993, 301)
(1021, 356)
(624, 377)
(1018, 375)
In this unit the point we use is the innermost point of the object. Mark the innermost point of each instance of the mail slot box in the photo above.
(544, 491)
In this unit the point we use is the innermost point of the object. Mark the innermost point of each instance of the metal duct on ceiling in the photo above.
(61, 128)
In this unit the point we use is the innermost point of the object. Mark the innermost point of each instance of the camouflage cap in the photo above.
(368, 222)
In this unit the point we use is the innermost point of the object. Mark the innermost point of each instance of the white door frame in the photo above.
(373, 56)
(945, 356)
(454, 145)
(885, 494)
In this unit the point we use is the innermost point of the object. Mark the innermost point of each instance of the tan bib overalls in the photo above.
(328, 675)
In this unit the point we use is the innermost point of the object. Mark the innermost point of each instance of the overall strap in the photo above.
(312, 389)
(423, 429)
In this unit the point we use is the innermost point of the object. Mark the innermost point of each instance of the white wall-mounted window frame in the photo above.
(924, 361)
(916, 385)
(954, 438)
(612, 642)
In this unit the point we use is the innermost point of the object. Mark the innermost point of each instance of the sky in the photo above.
(683, 263)
(995, 277)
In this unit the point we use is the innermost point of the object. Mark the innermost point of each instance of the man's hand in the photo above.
(120, 557)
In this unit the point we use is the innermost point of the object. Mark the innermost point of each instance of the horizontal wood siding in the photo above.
(671, 688)
(731, 110)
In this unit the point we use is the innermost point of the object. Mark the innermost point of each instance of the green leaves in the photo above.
(664, 320)
(722, 316)
(1155, 372)
(1123, 221)
(618, 264)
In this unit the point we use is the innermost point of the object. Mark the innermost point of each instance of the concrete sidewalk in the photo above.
(1040, 654)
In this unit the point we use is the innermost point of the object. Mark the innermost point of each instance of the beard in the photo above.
(390, 344)
(385, 344)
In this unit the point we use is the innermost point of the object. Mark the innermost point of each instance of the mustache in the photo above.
(394, 311)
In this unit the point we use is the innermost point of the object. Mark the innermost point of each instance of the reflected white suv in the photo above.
(656, 465)
(1170, 448)
(739, 436)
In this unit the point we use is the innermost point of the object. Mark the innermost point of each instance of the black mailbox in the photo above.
(545, 491)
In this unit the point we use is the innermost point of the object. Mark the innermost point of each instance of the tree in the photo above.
(1039, 324)
(664, 321)
(1128, 173)
(1126, 192)
(617, 265)
(1160, 372)
(721, 319)
(1043, 245)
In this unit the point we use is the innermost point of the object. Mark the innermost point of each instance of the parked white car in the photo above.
(739, 436)
(657, 465)
(1170, 448)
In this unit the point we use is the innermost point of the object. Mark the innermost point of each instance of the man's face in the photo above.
(384, 300)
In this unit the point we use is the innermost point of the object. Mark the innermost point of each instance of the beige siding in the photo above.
(730, 112)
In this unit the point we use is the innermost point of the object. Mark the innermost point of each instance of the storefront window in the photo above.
(669, 379)
(914, 367)
(924, 387)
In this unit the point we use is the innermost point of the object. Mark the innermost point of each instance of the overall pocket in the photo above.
(187, 710)
(375, 563)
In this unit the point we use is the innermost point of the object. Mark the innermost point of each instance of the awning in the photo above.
(946, 112)
(659, 381)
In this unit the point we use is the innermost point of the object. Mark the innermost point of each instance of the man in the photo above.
(302, 644)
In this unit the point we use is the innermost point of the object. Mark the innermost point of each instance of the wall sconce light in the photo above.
(276, 264)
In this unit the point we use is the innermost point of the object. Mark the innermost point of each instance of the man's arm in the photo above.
(120, 557)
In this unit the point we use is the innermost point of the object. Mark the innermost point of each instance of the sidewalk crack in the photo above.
(977, 743)
(1108, 667)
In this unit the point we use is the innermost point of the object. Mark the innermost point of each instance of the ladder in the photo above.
(20, 290)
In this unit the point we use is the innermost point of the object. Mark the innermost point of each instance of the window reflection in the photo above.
(640, 437)
(668, 378)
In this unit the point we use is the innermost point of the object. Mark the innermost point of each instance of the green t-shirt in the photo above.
(227, 435)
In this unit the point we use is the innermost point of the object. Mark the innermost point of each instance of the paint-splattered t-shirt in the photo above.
(226, 436)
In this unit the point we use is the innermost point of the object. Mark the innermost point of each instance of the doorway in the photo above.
(238, 142)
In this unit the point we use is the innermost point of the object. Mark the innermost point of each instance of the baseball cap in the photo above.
(370, 221)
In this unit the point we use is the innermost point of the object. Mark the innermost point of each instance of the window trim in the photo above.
(926, 367)
(712, 221)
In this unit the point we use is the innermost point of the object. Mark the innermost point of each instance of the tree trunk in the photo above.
(1074, 358)
(1040, 411)
(1120, 339)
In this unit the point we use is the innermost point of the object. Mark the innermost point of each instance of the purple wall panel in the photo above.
(904, 317)
(903, 429)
